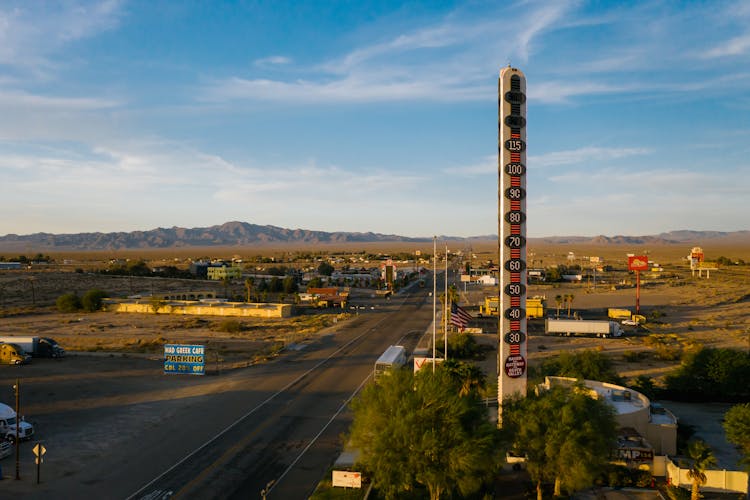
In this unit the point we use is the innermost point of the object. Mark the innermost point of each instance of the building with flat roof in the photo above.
(637, 416)
(223, 272)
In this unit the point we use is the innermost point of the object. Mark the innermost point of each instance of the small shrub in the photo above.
(229, 326)
(156, 303)
(633, 356)
(667, 352)
(92, 300)
(677, 493)
(619, 476)
(68, 303)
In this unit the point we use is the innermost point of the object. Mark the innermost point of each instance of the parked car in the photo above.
(6, 449)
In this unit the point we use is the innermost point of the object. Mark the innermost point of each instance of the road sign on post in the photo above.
(39, 451)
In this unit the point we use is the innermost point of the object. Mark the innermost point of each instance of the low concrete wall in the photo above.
(241, 309)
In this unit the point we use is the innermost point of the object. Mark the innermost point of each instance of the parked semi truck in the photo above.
(12, 354)
(534, 307)
(8, 422)
(38, 347)
(571, 327)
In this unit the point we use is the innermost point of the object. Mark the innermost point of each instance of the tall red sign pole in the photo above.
(638, 263)
(511, 218)
(637, 292)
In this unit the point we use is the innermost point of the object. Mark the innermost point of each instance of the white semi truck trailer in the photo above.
(38, 347)
(570, 327)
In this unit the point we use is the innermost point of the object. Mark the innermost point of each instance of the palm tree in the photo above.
(452, 294)
(249, 287)
(703, 458)
(558, 302)
(569, 299)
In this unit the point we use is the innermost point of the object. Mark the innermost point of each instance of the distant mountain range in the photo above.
(245, 234)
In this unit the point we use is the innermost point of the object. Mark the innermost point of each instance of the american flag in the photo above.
(459, 316)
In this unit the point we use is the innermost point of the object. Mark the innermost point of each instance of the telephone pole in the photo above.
(17, 388)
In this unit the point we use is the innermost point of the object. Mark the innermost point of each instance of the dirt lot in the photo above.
(682, 310)
(230, 342)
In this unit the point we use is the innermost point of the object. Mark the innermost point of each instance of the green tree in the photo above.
(316, 282)
(463, 346)
(468, 377)
(138, 268)
(553, 274)
(588, 364)
(558, 303)
(289, 285)
(452, 294)
(737, 427)
(565, 435)
(325, 269)
(92, 300)
(569, 301)
(249, 287)
(711, 374)
(645, 385)
(67, 303)
(416, 430)
(703, 459)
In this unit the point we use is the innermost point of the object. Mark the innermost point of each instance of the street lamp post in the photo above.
(17, 388)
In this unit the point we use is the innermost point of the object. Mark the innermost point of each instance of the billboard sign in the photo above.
(185, 359)
(422, 361)
(638, 263)
(346, 479)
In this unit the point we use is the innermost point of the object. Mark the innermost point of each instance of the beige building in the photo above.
(646, 429)
(223, 272)
(206, 307)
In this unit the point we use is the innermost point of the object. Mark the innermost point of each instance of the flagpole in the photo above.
(434, 297)
(445, 318)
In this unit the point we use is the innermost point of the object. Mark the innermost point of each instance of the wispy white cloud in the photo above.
(31, 33)
(350, 89)
(539, 21)
(272, 61)
(453, 60)
(736, 46)
(159, 174)
(28, 101)
(485, 166)
(585, 154)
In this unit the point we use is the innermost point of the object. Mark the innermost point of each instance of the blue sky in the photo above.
(372, 116)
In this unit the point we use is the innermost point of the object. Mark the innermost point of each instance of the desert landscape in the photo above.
(683, 309)
(115, 360)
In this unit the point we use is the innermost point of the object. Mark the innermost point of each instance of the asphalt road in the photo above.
(281, 426)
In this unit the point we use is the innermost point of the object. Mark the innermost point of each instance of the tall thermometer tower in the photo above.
(511, 219)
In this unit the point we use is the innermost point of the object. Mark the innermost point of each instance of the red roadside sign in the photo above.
(638, 263)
